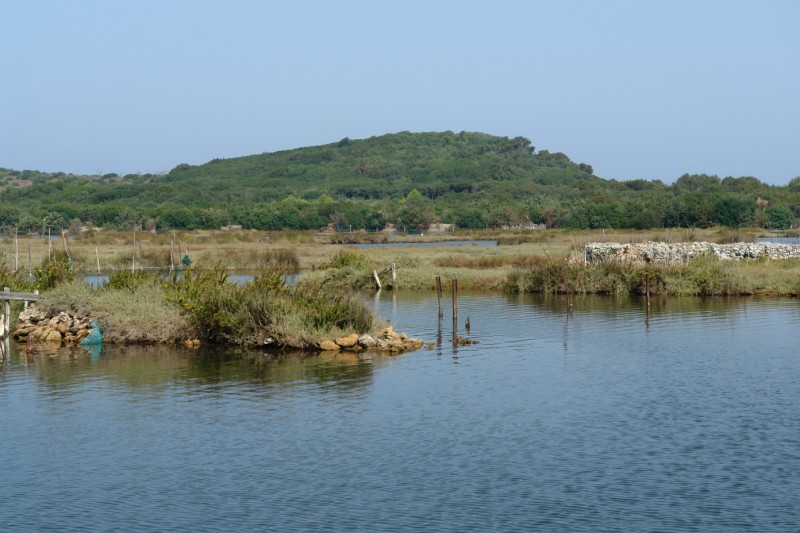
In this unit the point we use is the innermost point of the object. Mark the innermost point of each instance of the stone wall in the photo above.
(35, 325)
(672, 253)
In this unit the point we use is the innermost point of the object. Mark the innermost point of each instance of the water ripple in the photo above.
(600, 418)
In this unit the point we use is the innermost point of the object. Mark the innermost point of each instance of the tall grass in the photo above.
(266, 310)
(137, 313)
(702, 276)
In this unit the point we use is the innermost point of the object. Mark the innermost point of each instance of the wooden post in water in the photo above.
(394, 272)
(647, 288)
(377, 279)
(455, 299)
(439, 295)
(7, 313)
(66, 248)
(97, 256)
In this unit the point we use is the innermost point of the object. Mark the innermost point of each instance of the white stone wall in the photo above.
(671, 253)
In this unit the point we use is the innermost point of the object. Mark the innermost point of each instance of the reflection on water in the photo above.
(603, 418)
(147, 366)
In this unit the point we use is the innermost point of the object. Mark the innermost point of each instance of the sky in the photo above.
(638, 90)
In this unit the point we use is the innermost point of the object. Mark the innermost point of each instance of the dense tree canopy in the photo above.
(411, 179)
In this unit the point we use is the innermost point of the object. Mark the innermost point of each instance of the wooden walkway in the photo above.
(8, 297)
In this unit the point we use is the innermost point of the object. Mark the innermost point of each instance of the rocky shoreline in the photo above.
(676, 253)
(36, 326)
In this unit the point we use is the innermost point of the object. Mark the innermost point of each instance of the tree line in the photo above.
(411, 180)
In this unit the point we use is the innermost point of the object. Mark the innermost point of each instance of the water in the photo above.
(780, 240)
(433, 243)
(600, 420)
(96, 280)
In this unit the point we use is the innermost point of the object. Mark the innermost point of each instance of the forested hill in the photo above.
(411, 179)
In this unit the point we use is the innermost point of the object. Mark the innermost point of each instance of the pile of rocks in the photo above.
(673, 253)
(388, 341)
(36, 325)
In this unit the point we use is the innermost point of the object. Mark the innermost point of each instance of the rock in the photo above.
(61, 327)
(328, 346)
(672, 253)
(348, 341)
(24, 330)
(366, 341)
(52, 335)
(389, 334)
(32, 314)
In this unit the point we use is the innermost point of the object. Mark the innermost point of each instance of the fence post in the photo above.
(6, 314)
(455, 298)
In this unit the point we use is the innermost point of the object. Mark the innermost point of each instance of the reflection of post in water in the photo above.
(439, 338)
(439, 295)
(455, 337)
(647, 298)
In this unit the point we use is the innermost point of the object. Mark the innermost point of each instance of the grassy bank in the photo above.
(141, 307)
(702, 276)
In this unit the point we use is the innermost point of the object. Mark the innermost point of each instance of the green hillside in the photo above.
(411, 179)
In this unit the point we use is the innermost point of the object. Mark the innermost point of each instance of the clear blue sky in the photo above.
(637, 89)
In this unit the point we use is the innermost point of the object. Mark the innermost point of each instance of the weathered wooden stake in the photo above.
(394, 271)
(647, 288)
(16, 247)
(439, 294)
(66, 249)
(377, 279)
(455, 298)
(97, 256)
(7, 311)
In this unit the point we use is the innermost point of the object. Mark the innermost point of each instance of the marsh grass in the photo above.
(138, 313)
(266, 310)
(702, 276)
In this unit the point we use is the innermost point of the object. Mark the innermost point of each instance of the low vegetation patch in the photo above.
(701, 276)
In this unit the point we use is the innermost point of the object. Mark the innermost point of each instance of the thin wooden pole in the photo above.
(49, 246)
(377, 279)
(647, 288)
(16, 247)
(439, 294)
(455, 298)
(394, 271)
(7, 310)
(66, 249)
(97, 256)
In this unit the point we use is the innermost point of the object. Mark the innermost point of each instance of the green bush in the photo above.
(53, 271)
(266, 310)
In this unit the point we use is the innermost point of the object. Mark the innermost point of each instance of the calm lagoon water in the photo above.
(598, 420)
(432, 243)
(780, 240)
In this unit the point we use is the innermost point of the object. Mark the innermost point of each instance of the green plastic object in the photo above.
(94, 337)
(186, 261)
